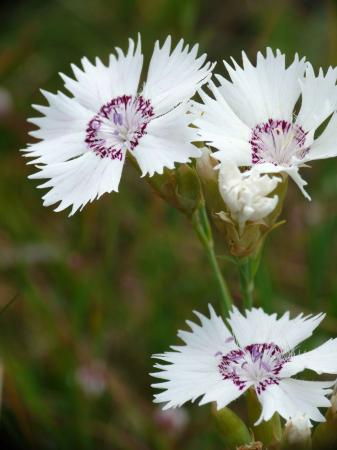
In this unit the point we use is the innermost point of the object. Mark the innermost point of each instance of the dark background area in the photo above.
(96, 294)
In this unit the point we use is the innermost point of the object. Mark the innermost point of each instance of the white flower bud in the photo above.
(245, 193)
(298, 429)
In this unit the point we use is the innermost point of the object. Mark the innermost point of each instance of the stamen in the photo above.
(257, 364)
(278, 142)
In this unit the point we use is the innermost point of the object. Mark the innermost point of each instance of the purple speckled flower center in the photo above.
(257, 364)
(118, 126)
(278, 142)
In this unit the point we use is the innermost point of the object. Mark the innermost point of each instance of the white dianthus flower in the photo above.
(219, 365)
(246, 193)
(85, 137)
(253, 118)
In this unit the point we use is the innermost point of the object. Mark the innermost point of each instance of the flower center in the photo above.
(118, 126)
(259, 364)
(278, 142)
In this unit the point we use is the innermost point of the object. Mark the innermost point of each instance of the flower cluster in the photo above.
(250, 119)
(247, 134)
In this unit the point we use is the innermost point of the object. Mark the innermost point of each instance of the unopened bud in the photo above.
(251, 203)
(246, 194)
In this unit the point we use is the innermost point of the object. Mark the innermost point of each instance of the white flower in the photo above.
(219, 365)
(252, 118)
(246, 193)
(85, 137)
(298, 429)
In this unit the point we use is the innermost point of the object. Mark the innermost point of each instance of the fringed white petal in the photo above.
(266, 90)
(56, 150)
(322, 359)
(191, 370)
(325, 146)
(174, 76)
(221, 128)
(96, 84)
(223, 393)
(253, 328)
(319, 97)
(63, 116)
(259, 327)
(294, 173)
(80, 180)
(292, 397)
(167, 141)
(209, 386)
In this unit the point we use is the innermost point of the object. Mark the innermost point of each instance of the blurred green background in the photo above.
(95, 295)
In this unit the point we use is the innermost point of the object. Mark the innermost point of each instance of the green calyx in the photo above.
(181, 188)
(234, 433)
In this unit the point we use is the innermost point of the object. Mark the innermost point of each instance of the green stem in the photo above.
(203, 230)
(247, 270)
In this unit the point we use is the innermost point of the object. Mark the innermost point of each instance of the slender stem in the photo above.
(224, 291)
(204, 232)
